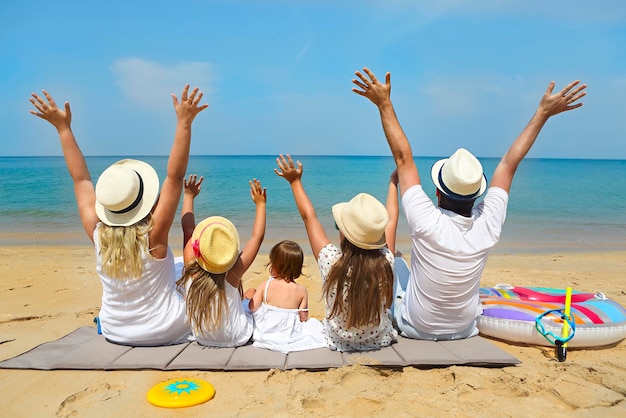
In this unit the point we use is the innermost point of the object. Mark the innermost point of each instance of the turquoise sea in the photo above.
(555, 205)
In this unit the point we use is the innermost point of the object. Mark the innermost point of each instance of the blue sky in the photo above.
(277, 74)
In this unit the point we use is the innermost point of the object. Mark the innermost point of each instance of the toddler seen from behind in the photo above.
(280, 305)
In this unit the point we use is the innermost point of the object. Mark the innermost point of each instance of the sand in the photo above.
(48, 291)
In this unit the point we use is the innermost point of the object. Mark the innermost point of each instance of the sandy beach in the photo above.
(48, 291)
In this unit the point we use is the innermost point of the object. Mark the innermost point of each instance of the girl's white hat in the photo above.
(126, 192)
(362, 221)
(215, 243)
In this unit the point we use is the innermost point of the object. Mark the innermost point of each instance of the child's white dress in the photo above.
(236, 327)
(280, 329)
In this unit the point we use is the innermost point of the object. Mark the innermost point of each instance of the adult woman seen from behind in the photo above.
(129, 221)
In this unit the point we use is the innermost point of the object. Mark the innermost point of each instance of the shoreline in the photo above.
(507, 245)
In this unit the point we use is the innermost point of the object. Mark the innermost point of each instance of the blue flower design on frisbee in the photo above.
(181, 386)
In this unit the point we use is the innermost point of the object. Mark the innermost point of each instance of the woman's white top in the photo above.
(144, 311)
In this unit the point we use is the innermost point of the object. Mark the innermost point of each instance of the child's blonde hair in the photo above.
(363, 283)
(286, 260)
(215, 243)
(206, 297)
(122, 248)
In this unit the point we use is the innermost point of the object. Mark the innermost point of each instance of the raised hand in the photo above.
(371, 88)
(258, 193)
(193, 185)
(566, 99)
(50, 111)
(287, 169)
(189, 106)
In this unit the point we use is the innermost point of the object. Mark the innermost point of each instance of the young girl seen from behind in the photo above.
(213, 269)
(358, 275)
(280, 305)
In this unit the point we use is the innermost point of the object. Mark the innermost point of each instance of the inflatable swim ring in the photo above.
(509, 314)
(179, 393)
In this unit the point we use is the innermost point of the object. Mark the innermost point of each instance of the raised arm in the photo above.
(77, 166)
(167, 204)
(550, 105)
(250, 251)
(314, 229)
(393, 210)
(187, 219)
(380, 94)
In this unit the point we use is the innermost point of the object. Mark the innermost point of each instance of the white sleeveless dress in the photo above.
(280, 329)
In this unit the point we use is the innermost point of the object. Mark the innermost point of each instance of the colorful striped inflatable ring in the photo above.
(509, 314)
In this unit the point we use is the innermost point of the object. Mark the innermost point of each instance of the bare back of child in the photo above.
(281, 290)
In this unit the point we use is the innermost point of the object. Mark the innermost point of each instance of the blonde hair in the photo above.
(363, 284)
(206, 297)
(286, 259)
(122, 248)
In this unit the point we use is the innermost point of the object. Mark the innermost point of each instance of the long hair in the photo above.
(206, 297)
(286, 259)
(122, 247)
(363, 283)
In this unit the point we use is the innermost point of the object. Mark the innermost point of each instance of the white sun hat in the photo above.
(126, 192)
(362, 221)
(459, 177)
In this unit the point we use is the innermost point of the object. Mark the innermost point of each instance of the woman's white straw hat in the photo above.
(459, 177)
(215, 243)
(362, 221)
(126, 192)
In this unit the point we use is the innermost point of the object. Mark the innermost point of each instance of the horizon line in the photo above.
(300, 155)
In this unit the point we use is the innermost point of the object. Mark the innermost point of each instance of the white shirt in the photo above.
(449, 253)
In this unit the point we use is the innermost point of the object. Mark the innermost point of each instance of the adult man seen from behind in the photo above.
(451, 242)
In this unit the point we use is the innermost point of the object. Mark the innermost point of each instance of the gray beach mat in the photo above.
(85, 349)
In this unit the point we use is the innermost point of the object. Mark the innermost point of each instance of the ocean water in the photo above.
(555, 205)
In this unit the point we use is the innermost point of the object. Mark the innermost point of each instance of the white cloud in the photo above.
(148, 83)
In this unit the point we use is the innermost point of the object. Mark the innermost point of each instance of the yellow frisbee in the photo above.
(179, 393)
